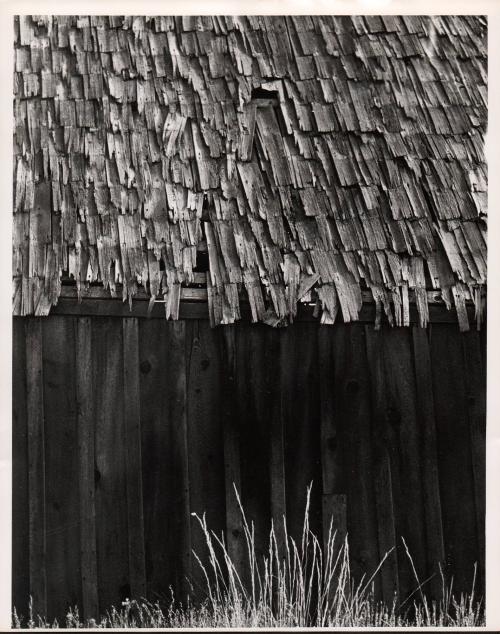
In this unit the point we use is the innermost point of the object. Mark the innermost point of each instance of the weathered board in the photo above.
(155, 450)
(132, 418)
(61, 465)
(110, 463)
(123, 428)
(86, 463)
(455, 456)
(363, 170)
(205, 440)
(352, 406)
(382, 473)
(429, 462)
(255, 405)
(35, 415)
(20, 483)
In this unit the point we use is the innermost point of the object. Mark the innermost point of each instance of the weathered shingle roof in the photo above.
(139, 138)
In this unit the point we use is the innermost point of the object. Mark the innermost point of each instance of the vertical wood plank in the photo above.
(386, 522)
(176, 357)
(301, 417)
(232, 470)
(36, 464)
(205, 439)
(334, 499)
(454, 455)
(20, 491)
(86, 465)
(110, 461)
(61, 467)
(483, 345)
(475, 382)
(406, 468)
(165, 485)
(155, 376)
(254, 411)
(287, 389)
(353, 413)
(276, 434)
(429, 471)
(132, 414)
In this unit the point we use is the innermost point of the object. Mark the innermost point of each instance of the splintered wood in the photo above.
(138, 139)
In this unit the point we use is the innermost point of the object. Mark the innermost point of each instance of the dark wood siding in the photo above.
(125, 426)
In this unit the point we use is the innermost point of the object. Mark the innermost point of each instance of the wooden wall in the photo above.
(124, 427)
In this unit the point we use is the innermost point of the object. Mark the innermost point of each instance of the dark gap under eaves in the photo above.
(202, 265)
(262, 93)
(202, 261)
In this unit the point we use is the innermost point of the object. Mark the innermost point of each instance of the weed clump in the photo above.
(295, 584)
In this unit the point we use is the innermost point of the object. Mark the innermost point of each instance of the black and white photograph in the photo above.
(249, 320)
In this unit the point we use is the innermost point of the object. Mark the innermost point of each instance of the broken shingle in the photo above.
(316, 151)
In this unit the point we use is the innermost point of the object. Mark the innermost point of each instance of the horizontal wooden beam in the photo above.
(190, 293)
(193, 293)
(117, 308)
(265, 102)
(96, 302)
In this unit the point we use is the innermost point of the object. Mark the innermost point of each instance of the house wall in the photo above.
(125, 427)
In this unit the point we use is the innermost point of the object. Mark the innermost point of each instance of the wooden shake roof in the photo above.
(312, 157)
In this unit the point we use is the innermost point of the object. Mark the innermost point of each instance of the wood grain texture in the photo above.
(232, 467)
(86, 466)
(20, 478)
(254, 399)
(110, 463)
(475, 385)
(301, 418)
(332, 444)
(430, 469)
(353, 411)
(273, 362)
(61, 466)
(99, 306)
(405, 441)
(296, 182)
(177, 421)
(36, 465)
(456, 476)
(164, 442)
(205, 439)
(384, 500)
(199, 294)
(155, 374)
(132, 415)
(387, 424)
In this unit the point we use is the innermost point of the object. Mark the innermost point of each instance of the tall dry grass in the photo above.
(295, 584)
